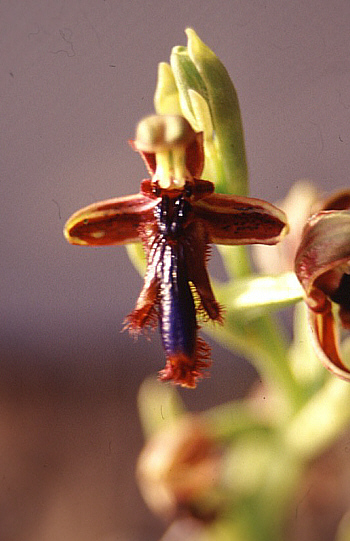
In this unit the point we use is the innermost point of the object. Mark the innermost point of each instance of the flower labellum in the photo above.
(176, 215)
(322, 265)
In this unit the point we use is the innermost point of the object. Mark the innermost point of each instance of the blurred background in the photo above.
(76, 76)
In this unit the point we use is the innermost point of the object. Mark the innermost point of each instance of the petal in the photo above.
(241, 220)
(195, 156)
(114, 221)
(149, 158)
(338, 201)
(323, 256)
(146, 310)
(325, 339)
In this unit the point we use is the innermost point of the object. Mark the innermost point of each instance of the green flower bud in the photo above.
(166, 97)
(209, 102)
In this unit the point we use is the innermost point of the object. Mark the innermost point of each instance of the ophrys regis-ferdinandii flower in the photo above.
(176, 215)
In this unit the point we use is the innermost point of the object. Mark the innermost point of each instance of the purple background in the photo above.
(76, 76)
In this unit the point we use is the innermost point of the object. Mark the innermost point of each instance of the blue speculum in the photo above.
(177, 314)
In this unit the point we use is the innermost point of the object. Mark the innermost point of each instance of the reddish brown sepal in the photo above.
(114, 221)
(230, 219)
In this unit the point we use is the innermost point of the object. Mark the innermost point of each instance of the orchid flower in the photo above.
(176, 215)
(322, 265)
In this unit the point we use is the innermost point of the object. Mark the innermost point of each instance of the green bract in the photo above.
(209, 101)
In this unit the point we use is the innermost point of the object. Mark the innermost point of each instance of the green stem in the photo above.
(320, 422)
(236, 260)
(262, 341)
(272, 360)
(230, 420)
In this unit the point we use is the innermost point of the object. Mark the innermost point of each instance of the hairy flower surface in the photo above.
(176, 215)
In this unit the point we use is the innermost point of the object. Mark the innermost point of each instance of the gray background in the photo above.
(75, 78)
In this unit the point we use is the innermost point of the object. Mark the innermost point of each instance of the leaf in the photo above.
(254, 296)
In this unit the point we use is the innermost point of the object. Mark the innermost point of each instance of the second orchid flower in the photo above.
(322, 265)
